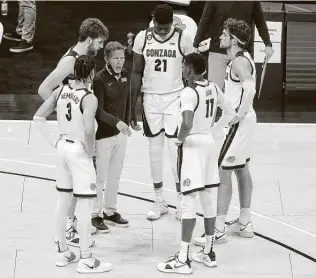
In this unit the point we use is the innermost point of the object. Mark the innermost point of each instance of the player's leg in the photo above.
(104, 149)
(110, 214)
(153, 129)
(243, 225)
(170, 121)
(65, 191)
(85, 189)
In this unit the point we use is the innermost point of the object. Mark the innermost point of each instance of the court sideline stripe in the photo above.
(174, 207)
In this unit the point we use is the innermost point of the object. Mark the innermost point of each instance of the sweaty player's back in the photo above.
(70, 112)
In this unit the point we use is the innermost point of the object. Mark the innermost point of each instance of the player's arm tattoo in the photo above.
(242, 68)
(136, 80)
(56, 77)
(186, 125)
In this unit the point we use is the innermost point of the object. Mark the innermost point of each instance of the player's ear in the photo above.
(89, 40)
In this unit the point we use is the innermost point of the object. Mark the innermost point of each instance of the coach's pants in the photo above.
(26, 20)
(217, 64)
(110, 158)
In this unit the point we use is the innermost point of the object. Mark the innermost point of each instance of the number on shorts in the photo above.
(209, 102)
(68, 115)
(158, 65)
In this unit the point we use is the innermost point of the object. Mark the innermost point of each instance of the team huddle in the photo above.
(179, 106)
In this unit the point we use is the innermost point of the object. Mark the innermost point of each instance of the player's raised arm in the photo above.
(42, 113)
(55, 78)
(188, 104)
(137, 75)
(242, 68)
(89, 106)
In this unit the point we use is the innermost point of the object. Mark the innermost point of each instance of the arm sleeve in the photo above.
(205, 22)
(99, 91)
(188, 99)
(260, 23)
(139, 42)
(186, 43)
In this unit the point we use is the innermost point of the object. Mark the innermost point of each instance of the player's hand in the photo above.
(234, 121)
(133, 122)
(217, 133)
(178, 143)
(123, 127)
(269, 52)
(195, 50)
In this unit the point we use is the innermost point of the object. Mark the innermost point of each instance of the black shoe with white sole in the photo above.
(23, 46)
(116, 220)
(98, 223)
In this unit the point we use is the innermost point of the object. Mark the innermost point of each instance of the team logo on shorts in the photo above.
(186, 183)
(230, 159)
(93, 186)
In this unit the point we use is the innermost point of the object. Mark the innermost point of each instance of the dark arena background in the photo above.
(288, 93)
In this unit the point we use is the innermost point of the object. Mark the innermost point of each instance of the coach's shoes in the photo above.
(173, 265)
(220, 237)
(66, 257)
(234, 227)
(98, 224)
(160, 208)
(93, 265)
(206, 259)
(115, 220)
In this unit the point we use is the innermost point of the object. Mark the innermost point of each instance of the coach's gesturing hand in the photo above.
(123, 127)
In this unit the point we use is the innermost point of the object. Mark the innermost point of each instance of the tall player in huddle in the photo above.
(76, 106)
(240, 89)
(197, 160)
(92, 34)
(157, 73)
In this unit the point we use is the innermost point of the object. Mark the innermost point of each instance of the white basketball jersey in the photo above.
(206, 105)
(163, 63)
(233, 88)
(70, 112)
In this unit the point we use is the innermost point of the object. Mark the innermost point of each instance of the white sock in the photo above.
(159, 194)
(209, 243)
(61, 218)
(220, 222)
(244, 217)
(184, 251)
(84, 208)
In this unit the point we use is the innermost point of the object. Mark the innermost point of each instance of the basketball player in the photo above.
(157, 73)
(197, 160)
(92, 34)
(240, 84)
(76, 106)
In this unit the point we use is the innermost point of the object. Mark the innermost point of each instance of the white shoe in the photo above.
(66, 257)
(173, 265)
(93, 230)
(206, 259)
(93, 265)
(235, 227)
(159, 208)
(220, 237)
(72, 238)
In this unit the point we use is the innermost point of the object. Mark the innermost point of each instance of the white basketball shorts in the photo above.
(160, 113)
(198, 163)
(75, 169)
(236, 149)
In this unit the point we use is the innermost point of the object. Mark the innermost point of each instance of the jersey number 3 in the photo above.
(159, 67)
(209, 102)
(68, 115)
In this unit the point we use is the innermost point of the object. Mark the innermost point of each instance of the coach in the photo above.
(212, 24)
(111, 87)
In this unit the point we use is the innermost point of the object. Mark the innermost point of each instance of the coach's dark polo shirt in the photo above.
(113, 93)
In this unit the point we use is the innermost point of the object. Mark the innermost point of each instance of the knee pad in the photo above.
(188, 207)
(209, 210)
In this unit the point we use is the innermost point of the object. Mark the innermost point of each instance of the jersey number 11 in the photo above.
(209, 102)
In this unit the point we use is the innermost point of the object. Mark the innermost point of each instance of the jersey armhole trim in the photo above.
(81, 101)
(198, 99)
(62, 88)
(145, 40)
(179, 42)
